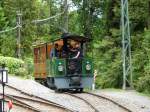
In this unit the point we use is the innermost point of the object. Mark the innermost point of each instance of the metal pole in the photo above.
(3, 91)
(50, 15)
(65, 15)
(123, 53)
(19, 21)
(1, 106)
(126, 45)
(129, 51)
(3, 97)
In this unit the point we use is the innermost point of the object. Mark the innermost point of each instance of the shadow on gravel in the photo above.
(73, 91)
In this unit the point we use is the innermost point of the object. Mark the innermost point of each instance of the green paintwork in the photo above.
(57, 63)
(52, 67)
(86, 61)
(48, 67)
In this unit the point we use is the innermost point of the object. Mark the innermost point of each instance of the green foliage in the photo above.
(15, 66)
(111, 78)
(29, 9)
(108, 64)
(21, 72)
(144, 79)
(7, 44)
(143, 84)
(29, 65)
(107, 50)
(3, 22)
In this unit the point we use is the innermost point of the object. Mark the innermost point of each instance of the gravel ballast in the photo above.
(34, 88)
(131, 99)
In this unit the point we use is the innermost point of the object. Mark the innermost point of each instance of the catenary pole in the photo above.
(19, 24)
(126, 46)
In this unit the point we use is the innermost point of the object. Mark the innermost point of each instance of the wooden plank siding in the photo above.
(41, 56)
(40, 62)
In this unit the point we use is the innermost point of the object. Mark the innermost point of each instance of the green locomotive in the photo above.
(62, 64)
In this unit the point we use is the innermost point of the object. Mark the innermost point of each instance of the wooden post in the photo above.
(19, 21)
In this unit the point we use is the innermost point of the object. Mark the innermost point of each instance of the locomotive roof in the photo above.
(66, 36)
(74, 37)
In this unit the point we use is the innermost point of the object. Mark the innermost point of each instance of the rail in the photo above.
(39, 99)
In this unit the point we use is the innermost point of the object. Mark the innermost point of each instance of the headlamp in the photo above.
(88, 66)
(60, 67)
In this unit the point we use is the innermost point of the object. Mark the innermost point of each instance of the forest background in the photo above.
(96, 19)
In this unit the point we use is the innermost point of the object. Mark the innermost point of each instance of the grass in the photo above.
(106, 89)
(113, 89)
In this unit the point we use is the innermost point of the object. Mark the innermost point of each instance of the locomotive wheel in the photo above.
(45, 83)
(79, 90)
(58, 90)
(41, 81)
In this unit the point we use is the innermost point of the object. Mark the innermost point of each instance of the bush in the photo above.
(144, 81)
(143, 84)
(29, 65)
(21, 72)
(14, 65)
(112, 78)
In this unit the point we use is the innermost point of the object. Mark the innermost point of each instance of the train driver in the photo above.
(55, 51)
(77, 51)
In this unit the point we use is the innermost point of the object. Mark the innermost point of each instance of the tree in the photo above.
(3, 22)
(29, 9)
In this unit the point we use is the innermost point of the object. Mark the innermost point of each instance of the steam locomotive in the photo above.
(62, 64)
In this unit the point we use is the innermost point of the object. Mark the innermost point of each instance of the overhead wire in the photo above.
(49, 18)
(39, 21)
(11, 29)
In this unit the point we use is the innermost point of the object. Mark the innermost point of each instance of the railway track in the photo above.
(27, 100)
(96, 109)
(29, 103)
(20, 103)
(108, 99)
(88, 103)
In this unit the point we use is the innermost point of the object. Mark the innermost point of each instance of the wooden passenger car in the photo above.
(42, 59)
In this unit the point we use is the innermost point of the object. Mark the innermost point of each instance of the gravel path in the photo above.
(131, 99)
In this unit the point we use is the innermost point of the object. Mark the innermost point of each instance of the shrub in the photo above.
(21, 72)
(112, 78)
(144, 81)
(29, 65)
(14, 65)
(143, 84)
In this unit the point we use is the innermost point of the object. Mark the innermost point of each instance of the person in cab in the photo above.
(76, 51)
(55, 51)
